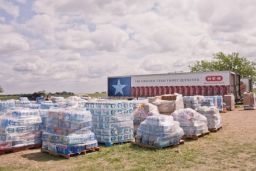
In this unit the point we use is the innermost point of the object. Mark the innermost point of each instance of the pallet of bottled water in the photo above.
(68, 132)
(213, 117)
(5, 105)
(216, 101)
(192, 102)
(193, 123)
(44, 115)
(48, 105)
(19, 128)
(159, 131)
(23, 102)
(112, 121)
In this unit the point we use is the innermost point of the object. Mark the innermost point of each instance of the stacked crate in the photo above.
(20, 128)
(230, 102)
(112, 121)
(68, 132)
(249, 101)
(193, 123)
(216, 101)
(213, 117)
(192, 102)
(159, 131)
(5, 105)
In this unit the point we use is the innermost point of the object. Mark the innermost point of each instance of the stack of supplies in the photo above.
(216, 101)
(142, 112)
(193, 123)
(68, 131)
(112, 121)
(159, 131)
(193, 102)
(249, 101)
(20, 127)
(229, 100)
(213, 117)
(168, 103)
(5, 105)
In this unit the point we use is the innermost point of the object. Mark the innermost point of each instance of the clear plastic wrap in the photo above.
(229, 101)
(70, 102)
(249, 101)
(34, 106)
(23, 99)
(165, 106)
(23, 102)
(48, 105)
(192, 102)
(168, 103)
(68, 129)
(216, 101)
(20, 127)
(213, 116)
(5, 105)
(142, 112)
(56, 99)
(192, 122)
(40, 99)
(112, 121)
(44, 115)
(159, 131)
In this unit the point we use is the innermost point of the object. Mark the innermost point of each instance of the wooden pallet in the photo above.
(224, 110)
(215, 129)
(153, 147)
(195, 137)
(91, 150)
(17, 149)
(67, 156)
(249, 107)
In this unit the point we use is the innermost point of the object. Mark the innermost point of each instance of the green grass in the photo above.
(193, 155)
(14, 167)
(97, 94)
(130, 157)
(9, 97)
(118, 157)
(94, 95)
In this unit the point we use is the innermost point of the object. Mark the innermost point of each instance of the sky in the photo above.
(74, 45)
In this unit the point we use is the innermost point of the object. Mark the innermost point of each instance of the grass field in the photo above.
(98, 94)
(232, 148)
(4, 97)
(93, 95)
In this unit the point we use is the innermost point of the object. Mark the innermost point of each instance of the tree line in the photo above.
(45, 94)
(227, 62)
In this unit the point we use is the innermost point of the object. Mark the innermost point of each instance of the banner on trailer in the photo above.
(193, 79)
(120, 86)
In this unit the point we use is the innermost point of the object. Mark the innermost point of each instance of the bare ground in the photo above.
(232, 148)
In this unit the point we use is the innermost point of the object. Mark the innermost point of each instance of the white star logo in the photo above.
(119, 88)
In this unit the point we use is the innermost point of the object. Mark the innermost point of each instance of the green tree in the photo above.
(227, 62)
(1, 89)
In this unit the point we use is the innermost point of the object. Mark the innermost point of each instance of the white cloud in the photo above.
(75, 44)
(42, 24)
(9, 8)
(22, 1)
(2, 19)
(11, 41)
(109, 38)
(153, 65)
(75, 39)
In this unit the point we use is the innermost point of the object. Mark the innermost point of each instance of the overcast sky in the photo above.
(73, 45)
